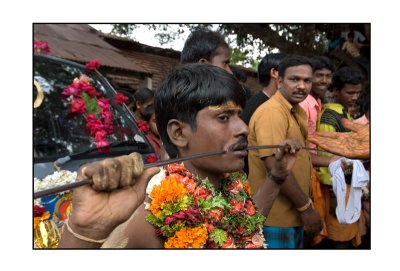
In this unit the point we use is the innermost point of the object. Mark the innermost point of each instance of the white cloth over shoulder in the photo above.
(155, 180)
(350, 213)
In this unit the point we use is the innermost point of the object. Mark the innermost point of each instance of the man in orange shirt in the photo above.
(278, 119)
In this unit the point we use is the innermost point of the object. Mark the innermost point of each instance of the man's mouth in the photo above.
(239, 148)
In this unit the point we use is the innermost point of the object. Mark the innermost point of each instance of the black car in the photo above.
(61, 139)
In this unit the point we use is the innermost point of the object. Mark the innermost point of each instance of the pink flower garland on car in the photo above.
(41, 47)
(85, 101)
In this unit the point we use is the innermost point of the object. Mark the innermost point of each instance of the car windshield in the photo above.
(56, 131)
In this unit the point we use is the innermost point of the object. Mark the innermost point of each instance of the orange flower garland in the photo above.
(168, 191)
(188, 212)
(188, 238)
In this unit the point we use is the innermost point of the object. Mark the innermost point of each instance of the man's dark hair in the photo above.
(148, 112)
(293, 60)
(322, 62)
(346, 75)
(239, 74)
(188, 89)
(143, 95)
(268, 62)
(201, 44)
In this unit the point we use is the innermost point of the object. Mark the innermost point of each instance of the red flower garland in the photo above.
(41, 47)
(85, 101)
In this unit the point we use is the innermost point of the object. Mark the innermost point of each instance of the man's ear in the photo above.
(177, 132)
(273, 73)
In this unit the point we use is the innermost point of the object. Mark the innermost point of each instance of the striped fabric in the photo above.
(279, 237)
(331, 117)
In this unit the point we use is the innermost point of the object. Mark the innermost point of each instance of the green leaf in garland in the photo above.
(176, 207)
(152, 219)
(217, 201)
(91, 104)
(169, 230)
(219, 236)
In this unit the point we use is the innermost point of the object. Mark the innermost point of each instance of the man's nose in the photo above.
(242, 128)
(325, 79)
(301, 84)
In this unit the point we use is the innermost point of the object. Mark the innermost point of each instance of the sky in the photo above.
(146, 36)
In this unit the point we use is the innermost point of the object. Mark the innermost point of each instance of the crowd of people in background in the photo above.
(300, 96)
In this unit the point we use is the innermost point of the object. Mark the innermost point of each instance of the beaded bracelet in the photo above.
(83, 238)
(306, 206)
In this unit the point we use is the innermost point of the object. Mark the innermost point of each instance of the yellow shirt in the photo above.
(329, 124)
(271, 124)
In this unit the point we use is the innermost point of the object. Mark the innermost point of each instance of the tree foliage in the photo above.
(250, 42)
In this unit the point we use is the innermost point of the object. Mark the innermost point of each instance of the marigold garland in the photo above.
(188, 238)
(189, 213)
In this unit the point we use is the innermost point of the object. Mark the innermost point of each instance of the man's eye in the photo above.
(223, 117)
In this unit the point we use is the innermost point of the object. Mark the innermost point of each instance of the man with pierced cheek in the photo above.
(202, 203)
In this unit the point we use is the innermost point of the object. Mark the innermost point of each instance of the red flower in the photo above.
(176, 168)
(72, 90)
(229, 243)
(251, 245)
(103, 103)
(190, 184)
(41, 46)
(78, 106)
(250, 208)
(201, 193)
(210, 227)
(89, 89)
(121, 98)
(151, 158)
(38, 210)
(103, 146)
(94, 124)
(235, 186)
(93, 64)
(236, 206)
(215, 214)
(143, 126)
(100, 136)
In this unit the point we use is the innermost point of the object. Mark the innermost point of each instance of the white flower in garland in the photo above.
(58, 178)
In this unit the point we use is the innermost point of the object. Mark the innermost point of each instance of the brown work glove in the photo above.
(117, 190)
(354, 144)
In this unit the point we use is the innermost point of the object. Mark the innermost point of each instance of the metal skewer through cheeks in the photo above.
(65, 187)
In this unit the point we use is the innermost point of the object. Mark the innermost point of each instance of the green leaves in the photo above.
(91, 104)
(219, 236)
(176, 207)
(158, 222)
(217, 201)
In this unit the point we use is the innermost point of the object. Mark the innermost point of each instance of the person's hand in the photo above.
(312, 221)
(354, 144)
(117, 190)
(285, 158)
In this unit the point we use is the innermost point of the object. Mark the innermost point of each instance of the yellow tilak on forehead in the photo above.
(230, 105)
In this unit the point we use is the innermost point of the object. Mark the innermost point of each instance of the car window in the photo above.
(56, 131)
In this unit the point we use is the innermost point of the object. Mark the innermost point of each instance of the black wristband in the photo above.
(276, 179)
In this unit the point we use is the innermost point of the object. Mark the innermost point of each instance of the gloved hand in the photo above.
(354, 144)
(117, 190)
